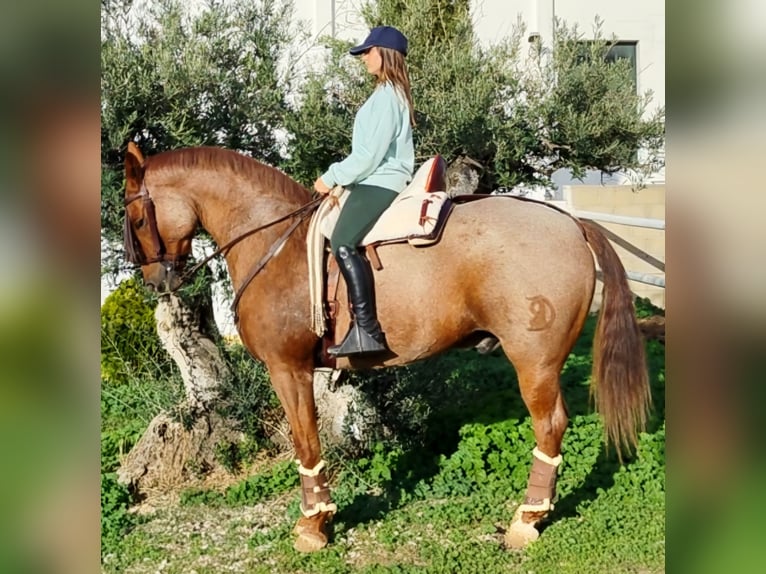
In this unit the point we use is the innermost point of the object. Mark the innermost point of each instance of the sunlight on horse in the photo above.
(519, 271)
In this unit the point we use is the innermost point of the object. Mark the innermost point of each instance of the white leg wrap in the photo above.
(319, 507)
(537, 453)
(311, 471)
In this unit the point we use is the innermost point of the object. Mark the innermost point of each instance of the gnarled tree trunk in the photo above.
(187, 335)
(346, 417)
(463, 176)
(177, 449)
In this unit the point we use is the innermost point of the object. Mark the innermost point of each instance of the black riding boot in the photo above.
(364, 335)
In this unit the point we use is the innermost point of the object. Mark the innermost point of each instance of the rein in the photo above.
(302, 212)
(299, 214)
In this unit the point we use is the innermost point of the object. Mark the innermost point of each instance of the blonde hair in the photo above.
(394, 70)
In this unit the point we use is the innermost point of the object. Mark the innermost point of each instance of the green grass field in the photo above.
(434, 499)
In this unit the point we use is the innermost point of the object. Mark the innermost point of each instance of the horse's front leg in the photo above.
(296, 393)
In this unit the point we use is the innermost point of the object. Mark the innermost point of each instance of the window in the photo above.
(624, 51)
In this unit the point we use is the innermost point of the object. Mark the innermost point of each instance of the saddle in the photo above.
(416, 216)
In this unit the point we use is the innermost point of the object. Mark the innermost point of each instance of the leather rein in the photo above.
(132, 254)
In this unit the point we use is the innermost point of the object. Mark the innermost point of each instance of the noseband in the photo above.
(134, 253)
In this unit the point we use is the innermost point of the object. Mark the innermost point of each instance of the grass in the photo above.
(435, 492)
(621, 529)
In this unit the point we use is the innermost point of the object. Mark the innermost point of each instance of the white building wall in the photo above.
(642, 22)
(337, 18)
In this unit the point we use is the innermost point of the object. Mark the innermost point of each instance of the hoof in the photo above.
(519, 534)
(310, 541)
(311, 534)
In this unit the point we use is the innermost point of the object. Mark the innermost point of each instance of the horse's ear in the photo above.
(134, 169)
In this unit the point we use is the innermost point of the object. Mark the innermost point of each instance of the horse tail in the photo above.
(620, 381)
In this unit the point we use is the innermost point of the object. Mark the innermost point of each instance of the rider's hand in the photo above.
(320, 187)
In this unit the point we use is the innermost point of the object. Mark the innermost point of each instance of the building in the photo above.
(639, 27)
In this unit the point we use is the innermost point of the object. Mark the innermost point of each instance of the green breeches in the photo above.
(361, 210)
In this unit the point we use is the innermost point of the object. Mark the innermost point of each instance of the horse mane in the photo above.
(216, 159)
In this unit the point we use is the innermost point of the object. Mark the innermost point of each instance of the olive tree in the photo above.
(453, 85)
(574, 108)
(174, 76)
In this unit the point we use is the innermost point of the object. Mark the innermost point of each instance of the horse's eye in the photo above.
(140, 223)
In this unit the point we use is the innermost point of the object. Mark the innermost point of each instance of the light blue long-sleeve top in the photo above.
(382, 152)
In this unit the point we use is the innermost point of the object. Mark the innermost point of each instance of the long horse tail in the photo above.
(620, 381)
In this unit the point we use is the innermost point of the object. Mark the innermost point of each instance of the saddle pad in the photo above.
(412, 214)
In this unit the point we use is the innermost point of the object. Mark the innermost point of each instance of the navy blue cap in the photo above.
(384, 37)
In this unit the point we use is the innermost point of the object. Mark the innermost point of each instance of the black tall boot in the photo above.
(365, 335)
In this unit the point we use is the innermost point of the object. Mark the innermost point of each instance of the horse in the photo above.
(519, 271)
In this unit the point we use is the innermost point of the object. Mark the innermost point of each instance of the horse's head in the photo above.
(159, 226)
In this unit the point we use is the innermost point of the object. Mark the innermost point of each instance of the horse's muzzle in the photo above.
(161, 277)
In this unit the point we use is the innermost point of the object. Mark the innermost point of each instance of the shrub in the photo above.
(247, 396)
(129, 341)
(115, 519)
(493, 456)
(645, 308)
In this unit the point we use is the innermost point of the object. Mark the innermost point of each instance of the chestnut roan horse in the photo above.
(518, 270)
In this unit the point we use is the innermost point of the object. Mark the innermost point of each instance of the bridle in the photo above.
(134, 253)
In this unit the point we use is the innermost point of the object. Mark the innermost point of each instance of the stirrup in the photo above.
(358, 342)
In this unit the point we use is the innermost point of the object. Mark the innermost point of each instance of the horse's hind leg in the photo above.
(296, 393)
(541, 392)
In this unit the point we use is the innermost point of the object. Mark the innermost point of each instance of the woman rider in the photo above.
(379, 167)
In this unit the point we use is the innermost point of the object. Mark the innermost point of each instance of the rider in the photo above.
(379, 167)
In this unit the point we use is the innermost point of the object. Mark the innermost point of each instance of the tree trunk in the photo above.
(178, 448)
(186, 333)
(463, 176)
(346, 418)
(174, 454)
